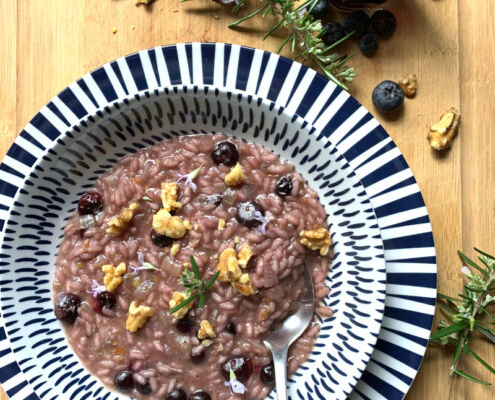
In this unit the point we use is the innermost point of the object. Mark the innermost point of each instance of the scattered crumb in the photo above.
(237, 239)
(216, 17)
(132, 27)
(221, 224)
(219, 347)
(420, 114)
(114, 30)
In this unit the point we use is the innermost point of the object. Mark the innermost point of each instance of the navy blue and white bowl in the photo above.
(377, 216)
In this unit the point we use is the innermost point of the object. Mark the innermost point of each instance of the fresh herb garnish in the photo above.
(465, 314)
(304, 36)
(189, 178)
(195, 286)
(142, 265)
(235, 385)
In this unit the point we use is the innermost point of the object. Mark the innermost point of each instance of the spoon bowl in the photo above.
(279, 340)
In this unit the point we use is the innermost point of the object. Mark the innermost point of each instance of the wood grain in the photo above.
(448, 44)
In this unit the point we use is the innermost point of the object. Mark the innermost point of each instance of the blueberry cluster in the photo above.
(382, 21)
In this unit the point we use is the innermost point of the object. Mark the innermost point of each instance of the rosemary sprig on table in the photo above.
(465, 312)
(195, 286)
(304, 36)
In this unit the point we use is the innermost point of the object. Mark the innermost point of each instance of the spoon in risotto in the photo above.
(279, 340)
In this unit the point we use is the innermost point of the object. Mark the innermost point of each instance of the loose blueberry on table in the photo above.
(388, 96)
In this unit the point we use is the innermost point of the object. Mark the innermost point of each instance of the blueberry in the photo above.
(143, 389)
(66, 305)
(284, 186)
(160, 240)
(248, 214)
(230, 328)
(383, 22)
(241, 366)
(123, 380)
(368, 43)
(320, 9)
(198, 358)
(225, 153)
(200, 395)
(333, 33)
(185, 324)
(388, 96)
(267, 374)
(176, 394)
(90, 203)
(357, 21)
(106, 299)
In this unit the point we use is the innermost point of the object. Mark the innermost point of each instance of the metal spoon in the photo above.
(279, 340)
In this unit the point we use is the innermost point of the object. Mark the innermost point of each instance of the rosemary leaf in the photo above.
(240, 20)
(481, 361)
(467, 376)
(485, 332)
(210, 283)
(273, 29)
(182, 304)
(485, 254)
(444, 297)
(449, 330)
(201, 300)
(283, 44)
(473, 264)
(195, 267)
(457, 353)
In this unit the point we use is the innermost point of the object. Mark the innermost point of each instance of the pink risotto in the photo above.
(178, 261)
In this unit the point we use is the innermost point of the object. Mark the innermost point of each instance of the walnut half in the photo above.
(443, 132)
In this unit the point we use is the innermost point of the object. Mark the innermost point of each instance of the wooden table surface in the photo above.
(449, 45)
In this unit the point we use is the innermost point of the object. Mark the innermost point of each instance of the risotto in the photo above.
(178, 261)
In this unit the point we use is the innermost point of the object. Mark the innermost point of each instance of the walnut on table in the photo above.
(409, 85)
(443, 132)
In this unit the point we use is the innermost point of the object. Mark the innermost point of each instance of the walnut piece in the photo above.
(244, 285)
(138, 315)
(205, 330)
(221, 224)
(228, 265)
(443, 132)
(409, 85)
(174, 249)
(316, 239)
(244, 255)
(113, 275)
(169, 196)
(118, 224)
(166, 224)
(177, 298)
(235, 176)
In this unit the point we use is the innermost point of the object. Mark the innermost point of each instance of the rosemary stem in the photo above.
(462, 337)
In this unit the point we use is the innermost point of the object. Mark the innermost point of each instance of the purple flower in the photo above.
(264, 221)
(142, 265)
(302, 12)
(96, 289)
(189, 178)
(234, 385)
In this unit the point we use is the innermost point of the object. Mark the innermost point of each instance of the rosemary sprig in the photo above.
(465, 313)
(195, 286)
(304, 34)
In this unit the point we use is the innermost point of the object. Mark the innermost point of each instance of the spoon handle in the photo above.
(280, 364)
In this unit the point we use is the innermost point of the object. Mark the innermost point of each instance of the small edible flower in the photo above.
(235, 386)
(264, 221)
(465, 270)
(96, 289)
(142, 265)
(189, 178)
